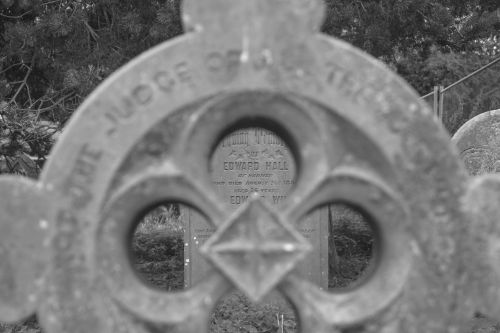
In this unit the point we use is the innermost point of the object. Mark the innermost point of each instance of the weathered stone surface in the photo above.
(24, 207)
(359, 135)
(249, 245)
(255, 160)
(483, 251)
(478, 142)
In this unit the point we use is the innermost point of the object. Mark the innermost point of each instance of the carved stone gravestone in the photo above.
(255, 161)
(357, 133)
(478, 141)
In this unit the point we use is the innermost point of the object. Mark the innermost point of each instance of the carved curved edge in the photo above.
(484, 118)
(386, 279)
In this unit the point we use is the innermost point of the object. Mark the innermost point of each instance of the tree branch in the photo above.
(50, 2)
(6, 69)
(16, 17)
(54, 103)
(25, 80)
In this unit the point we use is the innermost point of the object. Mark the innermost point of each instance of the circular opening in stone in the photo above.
(253, 160)
(165, 246)
(343, 241)
(236, 313)
(158, 246)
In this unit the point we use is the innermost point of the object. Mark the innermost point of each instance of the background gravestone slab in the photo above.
(255, 160)
(478, 142)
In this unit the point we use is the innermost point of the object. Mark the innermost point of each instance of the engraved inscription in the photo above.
(480, 160)
(78, 186)
(223, 62)
(183, 73)
(255, 161)
(308, 233)
(358, 90)
(163, 81)
(247, 161)
(250, 161)
(478, 142)
(115, 116)
(142, 94)
(202, 234)
(294, 75)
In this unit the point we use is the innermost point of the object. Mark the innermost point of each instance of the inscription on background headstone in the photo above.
(255, 160)
(478, 142)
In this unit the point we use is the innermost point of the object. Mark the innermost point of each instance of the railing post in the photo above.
(441, 104)
(437, 106)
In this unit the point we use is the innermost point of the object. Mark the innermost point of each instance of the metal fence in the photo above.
(467, 97)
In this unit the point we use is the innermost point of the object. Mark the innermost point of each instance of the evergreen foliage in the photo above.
(409, 34)
(53, 53)
(429, 43)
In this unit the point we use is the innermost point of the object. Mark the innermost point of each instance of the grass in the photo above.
(158, 246)
(158, 249)
(235, 313)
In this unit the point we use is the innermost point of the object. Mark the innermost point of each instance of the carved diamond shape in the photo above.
(255, 249)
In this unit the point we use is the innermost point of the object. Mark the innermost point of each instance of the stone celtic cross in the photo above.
(358, 135)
